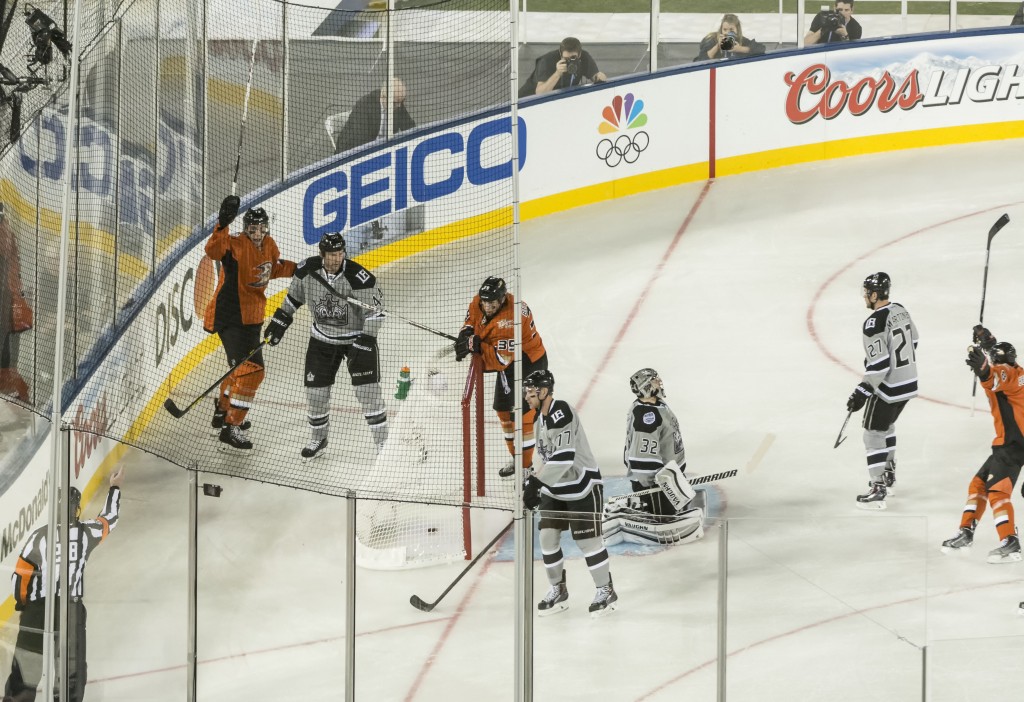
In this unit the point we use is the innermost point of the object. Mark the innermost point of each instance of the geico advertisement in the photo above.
(595, 135)
(445, 171)
(806, 99)
(103, 174)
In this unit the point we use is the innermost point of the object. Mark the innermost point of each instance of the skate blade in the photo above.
(604, 612)
(871, 506)
(313, 458)
(1011, 558)
(953, 550)
(560, 607)
(232, 451)
(1020, 609)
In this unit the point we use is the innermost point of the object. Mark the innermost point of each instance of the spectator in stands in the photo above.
(830, 26)
(368, 120)
(728, 42)
(568, 66)
(15, 314)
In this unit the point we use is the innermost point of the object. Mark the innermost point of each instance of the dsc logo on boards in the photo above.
(392, 181)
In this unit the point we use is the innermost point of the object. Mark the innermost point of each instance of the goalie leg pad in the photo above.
(685, 528)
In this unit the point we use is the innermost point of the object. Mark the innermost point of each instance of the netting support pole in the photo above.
(723, 602)
(524, 519)
(59, 473)
(119, 43)
(205, 63)
(284, 90)
(192, 652)
(655, 32)
(390, 32)
(351, 504)
(156, 145)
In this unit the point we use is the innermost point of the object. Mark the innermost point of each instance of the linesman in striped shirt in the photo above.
(29, 580)
(568, 491)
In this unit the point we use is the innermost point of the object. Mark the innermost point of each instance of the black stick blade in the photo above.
(419, 604)
(1000, 223)
(173, 409)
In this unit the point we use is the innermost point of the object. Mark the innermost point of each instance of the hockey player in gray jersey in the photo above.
(568, 490)
(653, 441)
(340, 331)
(890, 381)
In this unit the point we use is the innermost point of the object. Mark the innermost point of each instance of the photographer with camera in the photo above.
(728, 42)
(830, 26)
(568, 66)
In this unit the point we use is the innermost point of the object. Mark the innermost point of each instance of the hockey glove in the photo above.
(859, 396)
(463, 345)
(978, 362)
(983, 337)
(276, 327)
(228, 210)
(531, 492)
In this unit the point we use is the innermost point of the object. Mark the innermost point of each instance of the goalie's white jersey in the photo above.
(570, 470)
(652, 440)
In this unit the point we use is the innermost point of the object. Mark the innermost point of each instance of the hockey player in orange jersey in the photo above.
(236, 312)
(489, 332)
(995, 364)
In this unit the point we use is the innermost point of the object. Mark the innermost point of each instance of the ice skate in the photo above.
(1020, 609)
(874, 498)
(314, 449)
(233, 437)
(889, 477)
(555, 601)
(604, 600)
(962, 542)
(219, 417)
(1008, 551)
(507, 470)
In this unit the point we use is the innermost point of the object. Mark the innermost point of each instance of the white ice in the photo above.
(745, 295)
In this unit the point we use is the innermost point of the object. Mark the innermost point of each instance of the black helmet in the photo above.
(74, 502)
(332, 241)
(539, 379)
(256, 215)
(1003, 352)
(493, 290)
(642, 381)
(878, 283)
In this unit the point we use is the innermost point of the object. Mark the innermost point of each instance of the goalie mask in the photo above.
(647, 383)
(1003, 352)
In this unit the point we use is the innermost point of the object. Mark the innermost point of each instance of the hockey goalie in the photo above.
(664, 508)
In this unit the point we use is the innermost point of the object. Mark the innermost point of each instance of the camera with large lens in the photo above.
(728, 41)
(572, 65)
(831, 21)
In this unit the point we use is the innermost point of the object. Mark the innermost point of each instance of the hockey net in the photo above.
(392, 535)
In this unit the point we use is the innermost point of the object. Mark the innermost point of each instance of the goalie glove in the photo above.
(531, 492)
(276, 327)
(978, 362)
(228, 210)
(983, 337)
(859, 396)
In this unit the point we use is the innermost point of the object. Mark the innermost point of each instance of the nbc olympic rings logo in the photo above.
(623, 148)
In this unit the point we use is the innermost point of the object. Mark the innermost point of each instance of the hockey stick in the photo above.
(381, 310)
(699, 480)
(245, 115)
(178, 413)
(840, 439)
(419, 604)
(999, 224)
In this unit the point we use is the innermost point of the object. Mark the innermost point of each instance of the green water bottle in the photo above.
(404, 381)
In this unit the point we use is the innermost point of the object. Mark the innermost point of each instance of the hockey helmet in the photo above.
(539, 379)
(332, 241)
(493, 290)
(74, 502)
(646, 383)
(256, 215)
(1003, 352)
(878, 283)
